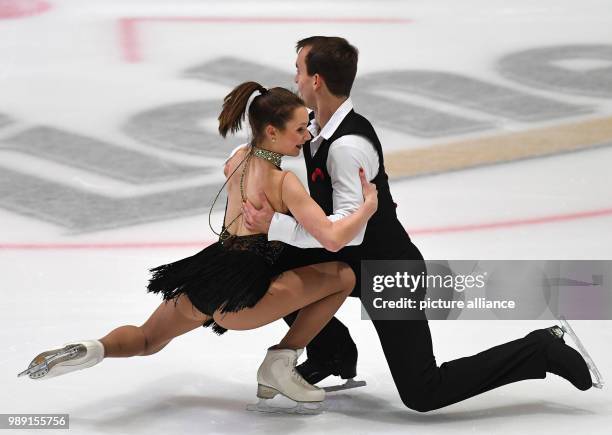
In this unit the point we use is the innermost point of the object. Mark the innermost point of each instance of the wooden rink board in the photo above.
(484, 151)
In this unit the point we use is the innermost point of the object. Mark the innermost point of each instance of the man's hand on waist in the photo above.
(258, 219)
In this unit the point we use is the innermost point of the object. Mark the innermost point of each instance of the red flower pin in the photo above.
(316, 174)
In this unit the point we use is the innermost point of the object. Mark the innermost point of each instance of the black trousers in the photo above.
(407, 345)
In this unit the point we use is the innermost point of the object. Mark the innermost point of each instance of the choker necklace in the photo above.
(271, 156)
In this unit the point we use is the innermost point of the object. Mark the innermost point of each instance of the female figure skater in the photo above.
(232, 284)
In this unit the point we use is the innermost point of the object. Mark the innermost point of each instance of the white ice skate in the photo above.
(72, 357)
(598, 381)
(277, 375)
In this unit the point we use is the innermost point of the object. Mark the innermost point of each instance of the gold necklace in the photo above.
(271, 156)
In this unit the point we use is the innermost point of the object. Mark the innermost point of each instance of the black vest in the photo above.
(385, 238)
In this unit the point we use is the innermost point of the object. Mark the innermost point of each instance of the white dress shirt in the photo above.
(346, 155)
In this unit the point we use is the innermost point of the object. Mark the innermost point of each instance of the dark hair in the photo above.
(274, 106)
(334, 59)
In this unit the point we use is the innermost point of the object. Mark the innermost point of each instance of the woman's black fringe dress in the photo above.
(229, 275)
(232, 274)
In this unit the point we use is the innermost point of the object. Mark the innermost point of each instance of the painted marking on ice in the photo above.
(130, 43)
(503, 148)
(22, 8)
(481, 226)
(99, 246)
(538, 220)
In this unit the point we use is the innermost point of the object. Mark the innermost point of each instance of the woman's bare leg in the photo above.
(166, 322)
(318, 290)
(312, 318)
(321, 288)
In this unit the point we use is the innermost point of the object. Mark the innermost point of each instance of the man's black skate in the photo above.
(343, 364)
(597, 378)
(315, 371)
(565, 361)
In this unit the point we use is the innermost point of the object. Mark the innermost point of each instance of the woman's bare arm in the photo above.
(332, 235)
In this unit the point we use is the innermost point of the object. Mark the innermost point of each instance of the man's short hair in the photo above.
(334, 59)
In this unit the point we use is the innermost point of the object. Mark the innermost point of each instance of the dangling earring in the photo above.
(273, 139)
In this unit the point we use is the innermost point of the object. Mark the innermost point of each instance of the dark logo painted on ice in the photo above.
(178, 129)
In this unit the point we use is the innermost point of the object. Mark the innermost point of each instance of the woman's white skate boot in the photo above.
(70, 358)
(277, 375)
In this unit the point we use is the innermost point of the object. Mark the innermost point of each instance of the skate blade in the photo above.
(302, 408)
(349, 384)
(44, 362)
(598, 382)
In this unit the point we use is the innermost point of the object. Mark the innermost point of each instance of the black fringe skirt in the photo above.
(228, 275)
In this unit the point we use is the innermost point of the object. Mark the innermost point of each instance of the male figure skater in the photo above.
(342, 142)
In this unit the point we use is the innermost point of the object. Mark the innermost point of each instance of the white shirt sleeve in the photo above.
(346, 156)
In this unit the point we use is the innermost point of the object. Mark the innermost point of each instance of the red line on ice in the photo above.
(22, 8)
(483, 226)
(130, 44)
(514, 222)
(94, 245)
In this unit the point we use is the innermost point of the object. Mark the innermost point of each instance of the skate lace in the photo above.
(296, 375)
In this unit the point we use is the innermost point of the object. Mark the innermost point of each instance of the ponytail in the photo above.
(235, 106)
(273, 107)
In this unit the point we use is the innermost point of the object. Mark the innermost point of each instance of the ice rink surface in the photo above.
(496, 119)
